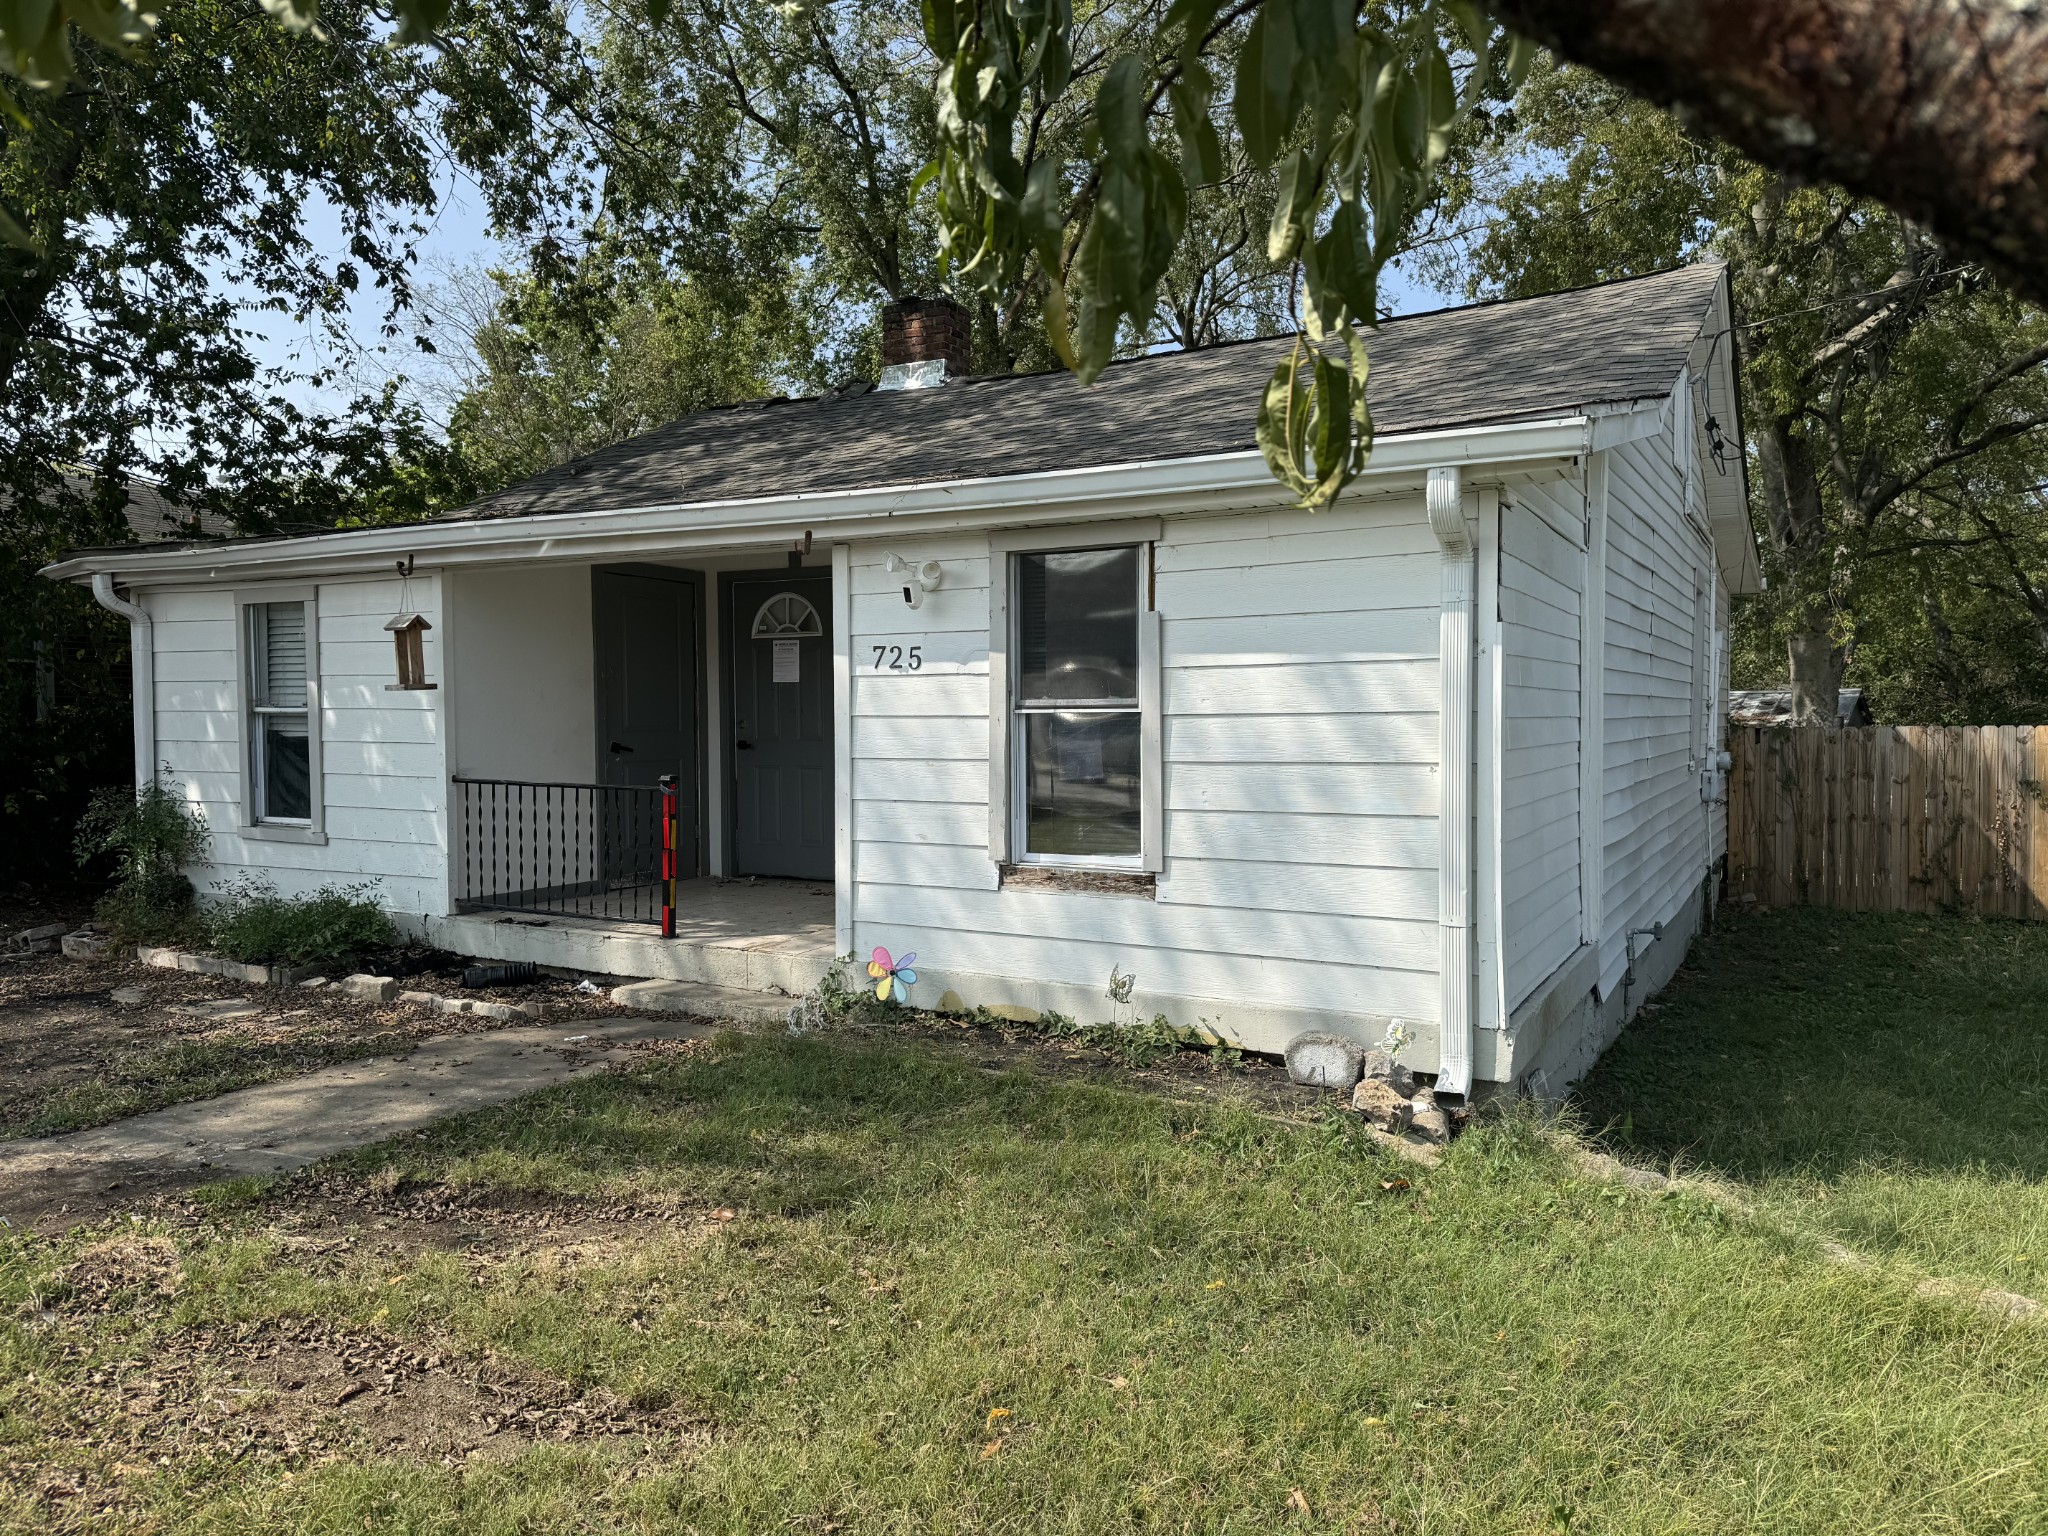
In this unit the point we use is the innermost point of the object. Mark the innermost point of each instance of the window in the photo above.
(1078, 717)
(280, 720)
(1075, 779)
(786, 613)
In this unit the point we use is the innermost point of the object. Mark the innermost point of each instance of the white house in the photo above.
(1040, 683)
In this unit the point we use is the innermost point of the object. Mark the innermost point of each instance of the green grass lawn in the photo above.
(957, 1301)
(1880, 1078)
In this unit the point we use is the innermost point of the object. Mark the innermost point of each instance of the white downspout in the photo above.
(142, 672)
(1445, 500)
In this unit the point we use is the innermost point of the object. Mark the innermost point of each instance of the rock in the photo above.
(420, 999)
(85, 946)
(1427, 1122)
(226, 1008)
(1375, 1098)
(129, 997)
(41, 939)
(219, 965)
(1323, 1061)
(1379, 1064)
(314, 983)
(483, 1010)
(370, 989)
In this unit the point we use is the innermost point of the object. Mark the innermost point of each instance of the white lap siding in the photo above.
(1542, 572)
(1299, 693)
(383, 778)
(1655, 826)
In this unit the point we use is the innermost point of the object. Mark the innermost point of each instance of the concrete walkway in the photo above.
(277, 1127)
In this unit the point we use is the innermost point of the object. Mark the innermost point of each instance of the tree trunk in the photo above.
(1933, 107)
(1816, 663)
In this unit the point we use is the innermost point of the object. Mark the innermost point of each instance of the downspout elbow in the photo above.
(142, 671)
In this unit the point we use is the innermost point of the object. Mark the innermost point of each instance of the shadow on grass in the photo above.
(796, 1128)
(1816, 1043)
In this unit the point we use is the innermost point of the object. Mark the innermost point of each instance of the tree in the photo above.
(765, 164)
(1895, 395)
(1933, 105)
(542, 380)
(170, 196)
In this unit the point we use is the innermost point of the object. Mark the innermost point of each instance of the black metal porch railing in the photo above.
(572, 850)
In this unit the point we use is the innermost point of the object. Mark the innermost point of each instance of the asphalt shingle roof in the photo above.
(1487, 363)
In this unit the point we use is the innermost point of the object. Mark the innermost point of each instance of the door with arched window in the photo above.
(780, 641)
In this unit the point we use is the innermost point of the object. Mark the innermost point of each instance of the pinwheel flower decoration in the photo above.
(893, 978)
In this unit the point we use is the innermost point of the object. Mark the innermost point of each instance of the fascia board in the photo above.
(1159, 487)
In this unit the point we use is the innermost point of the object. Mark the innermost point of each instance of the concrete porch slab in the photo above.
(748, 936)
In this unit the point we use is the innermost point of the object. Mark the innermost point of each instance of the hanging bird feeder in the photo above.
(406, 629)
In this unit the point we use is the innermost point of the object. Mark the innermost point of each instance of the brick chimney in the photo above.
(925, 342)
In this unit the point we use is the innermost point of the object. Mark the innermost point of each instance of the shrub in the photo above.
(250, 922)
(152, 835)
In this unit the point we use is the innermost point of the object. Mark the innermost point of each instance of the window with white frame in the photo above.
(1076, 740)
(280, 727)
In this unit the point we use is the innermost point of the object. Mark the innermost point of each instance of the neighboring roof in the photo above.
(153, 516)
(1773, 706)
(1507, 361)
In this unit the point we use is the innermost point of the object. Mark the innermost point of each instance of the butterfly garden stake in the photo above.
(893, 978)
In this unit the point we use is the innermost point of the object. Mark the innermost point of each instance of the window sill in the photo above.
(1082, 882)
(265, 832)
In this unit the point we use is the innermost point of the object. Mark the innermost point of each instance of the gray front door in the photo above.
(647, 687)
(782, 725)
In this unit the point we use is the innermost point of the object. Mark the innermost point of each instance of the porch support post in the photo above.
(1445, 500)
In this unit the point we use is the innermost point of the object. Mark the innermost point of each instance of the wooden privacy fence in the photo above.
(1891, 818)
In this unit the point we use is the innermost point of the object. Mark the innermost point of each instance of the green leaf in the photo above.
(11, 109)
(1440, 105)
(1293, 206)
(658, 12)
(1040, 215)
(1268, 96)
(420, 19)
(23, 24)
(1345, 264)
(942, 27)
(1201, 152)
(1120, 111)
(11, 230)
(1057, 330)
(293, 15)
(1274, 429)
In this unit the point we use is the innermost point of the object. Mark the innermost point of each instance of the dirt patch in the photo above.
(297, 1394)
(72, 1057)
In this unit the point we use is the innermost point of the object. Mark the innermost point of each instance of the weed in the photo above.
(152, 836)
(251, 922)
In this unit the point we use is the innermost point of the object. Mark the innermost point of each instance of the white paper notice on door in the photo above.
(787, 667)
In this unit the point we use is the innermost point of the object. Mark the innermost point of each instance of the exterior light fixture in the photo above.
(924, 578)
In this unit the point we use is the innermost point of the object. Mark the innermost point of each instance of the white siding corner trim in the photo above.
(1446, 503)
(842, 749)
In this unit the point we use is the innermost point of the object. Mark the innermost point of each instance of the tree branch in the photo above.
(1933, 107)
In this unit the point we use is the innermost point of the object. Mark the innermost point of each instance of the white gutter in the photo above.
(142, 672)
(1165, 486)
(1445, 500)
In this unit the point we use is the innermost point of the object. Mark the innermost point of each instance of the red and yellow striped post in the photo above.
(671, 825)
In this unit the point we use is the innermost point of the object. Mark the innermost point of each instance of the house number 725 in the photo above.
(894, 658)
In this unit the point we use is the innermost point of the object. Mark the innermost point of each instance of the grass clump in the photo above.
(252, 923)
